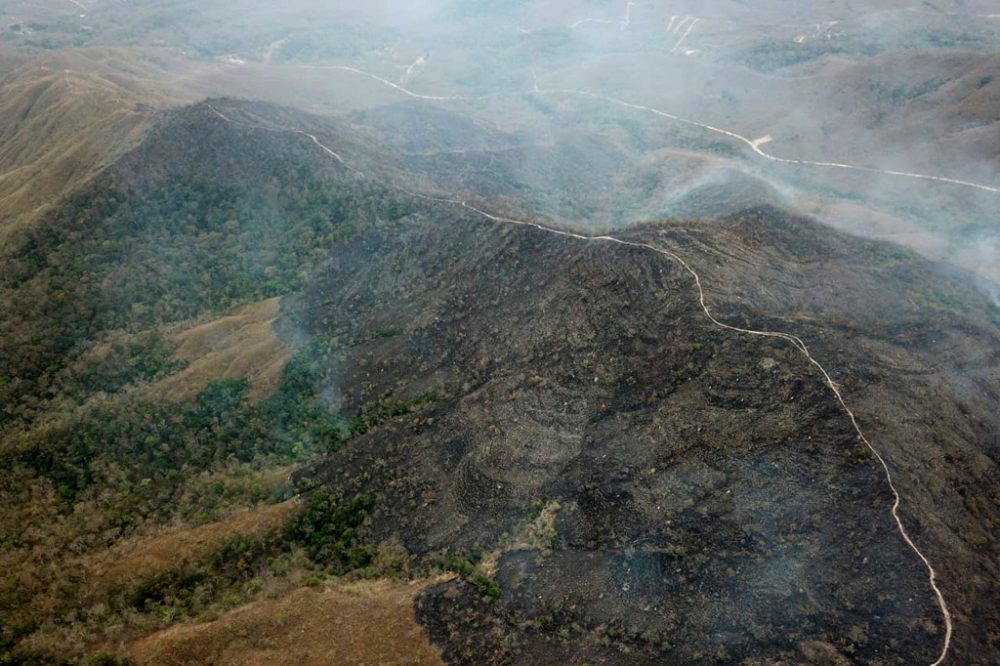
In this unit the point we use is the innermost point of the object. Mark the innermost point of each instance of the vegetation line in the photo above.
(788, 337)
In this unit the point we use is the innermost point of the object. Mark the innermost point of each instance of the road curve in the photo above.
(671, 116)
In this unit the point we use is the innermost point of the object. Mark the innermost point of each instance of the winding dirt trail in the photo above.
(400, 88)
(628, 15)
(584, 21)
(623, 24)
(687, 32)
(417, 64)
(284, 130)
(750, 143)
(756, 146)
(794, 340)
(273, 48)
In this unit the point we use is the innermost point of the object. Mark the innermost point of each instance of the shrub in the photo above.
(332, 535)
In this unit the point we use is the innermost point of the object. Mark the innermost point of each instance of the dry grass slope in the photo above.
(360, 624)
(241, 344)
(141, 559)
(65, 116)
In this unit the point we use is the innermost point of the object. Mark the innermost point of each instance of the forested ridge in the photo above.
(202, 217)
(164, 237)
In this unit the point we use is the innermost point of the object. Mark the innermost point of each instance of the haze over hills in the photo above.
(546, 331)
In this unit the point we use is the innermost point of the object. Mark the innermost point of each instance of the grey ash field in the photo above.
(499, 333)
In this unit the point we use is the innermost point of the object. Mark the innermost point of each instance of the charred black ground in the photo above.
(691, 494)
